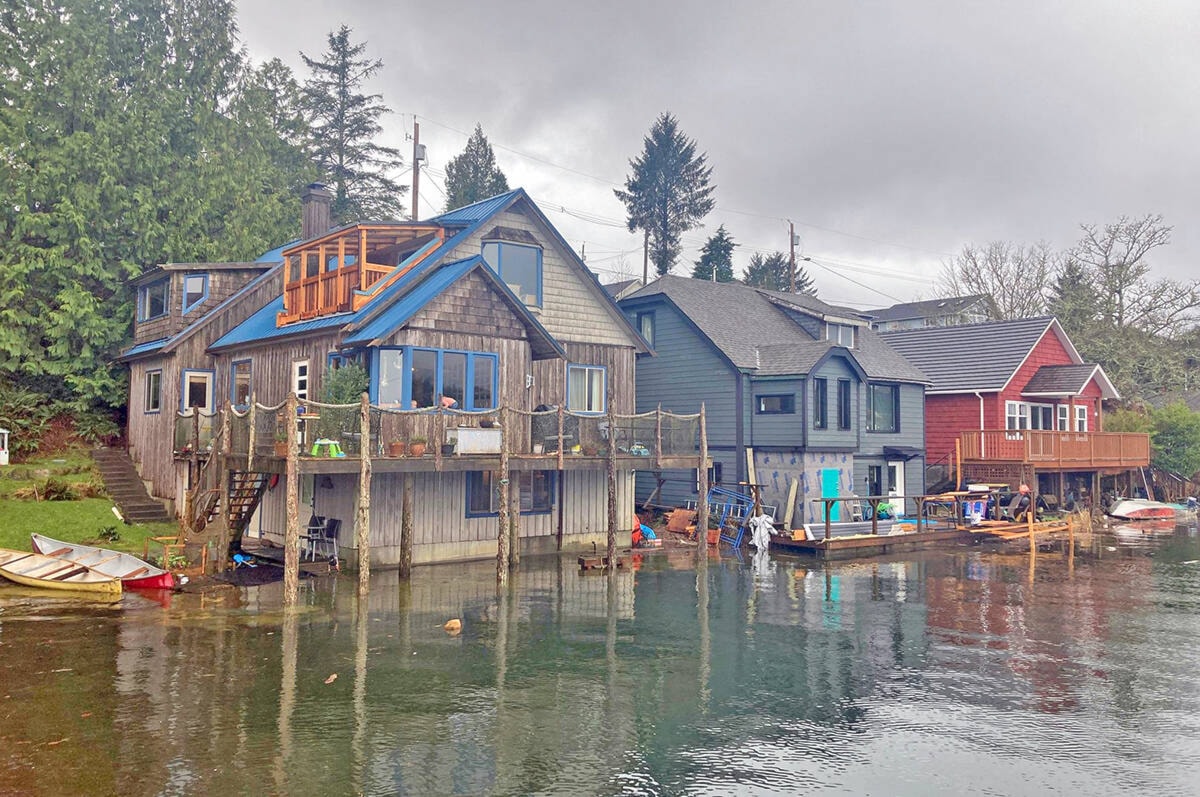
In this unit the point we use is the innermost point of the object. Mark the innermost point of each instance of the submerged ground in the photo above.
(965, 671)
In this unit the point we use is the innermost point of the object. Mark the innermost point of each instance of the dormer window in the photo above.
(516, 256)
(195, 291)
(152, 299)
(840, 334)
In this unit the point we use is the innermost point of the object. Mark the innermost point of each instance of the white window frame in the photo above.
(1081, 418)
(208, 378)
(188, 278)
(301, 378)
(841, 334)
(1064, 418)
(591, 372)
(153, 397)
(1016, 416)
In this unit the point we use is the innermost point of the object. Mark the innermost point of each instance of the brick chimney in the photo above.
(317, 218)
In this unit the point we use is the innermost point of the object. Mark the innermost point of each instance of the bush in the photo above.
(57, 490)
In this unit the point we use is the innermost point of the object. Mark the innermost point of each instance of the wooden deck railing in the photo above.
(1057, 449)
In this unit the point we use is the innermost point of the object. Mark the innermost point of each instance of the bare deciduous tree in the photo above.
(1013, 277)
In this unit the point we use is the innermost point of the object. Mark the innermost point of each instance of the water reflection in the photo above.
(997, 671)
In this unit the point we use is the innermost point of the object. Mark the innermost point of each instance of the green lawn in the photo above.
(83, 520)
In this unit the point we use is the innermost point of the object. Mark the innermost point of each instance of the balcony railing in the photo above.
(1061, 450)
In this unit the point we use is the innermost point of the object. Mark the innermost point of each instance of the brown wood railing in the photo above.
(1057, 449)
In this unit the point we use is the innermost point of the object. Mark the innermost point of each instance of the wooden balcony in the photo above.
(1057, 450)
(341, 270)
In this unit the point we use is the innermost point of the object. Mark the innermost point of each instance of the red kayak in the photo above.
(133, 572)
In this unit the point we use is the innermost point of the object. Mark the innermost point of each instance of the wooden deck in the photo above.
(455, 463)
(847, 547)
(1056, 451)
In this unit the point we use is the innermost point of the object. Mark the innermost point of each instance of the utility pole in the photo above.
(646, 257)
(792, 261)
(418, 156)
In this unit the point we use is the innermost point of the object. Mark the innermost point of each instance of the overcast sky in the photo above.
(891, 134)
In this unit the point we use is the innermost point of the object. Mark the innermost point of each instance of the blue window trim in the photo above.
(499, 267)
(146, 396)
(143, 297)
(349, 358)
(474, 481)
(187, 308)
(233, 382)
(467, 402)
(212, 387)
(603, 388)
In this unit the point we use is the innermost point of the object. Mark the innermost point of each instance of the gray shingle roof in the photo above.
(1065, 380)
(754, 332)
(925, 309)
(971, 357)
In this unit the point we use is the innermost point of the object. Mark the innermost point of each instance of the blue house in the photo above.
(801, 389)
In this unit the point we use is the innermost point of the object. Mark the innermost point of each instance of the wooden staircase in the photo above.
(246, 490)
(126, 488)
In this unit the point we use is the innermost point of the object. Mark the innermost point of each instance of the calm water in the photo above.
(968, 671)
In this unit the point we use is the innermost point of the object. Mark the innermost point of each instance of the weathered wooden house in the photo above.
(484, 308)
(1018, 404)
(807, 387)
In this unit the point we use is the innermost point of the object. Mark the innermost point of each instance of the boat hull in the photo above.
(131, 571)
(1137, 509)
(45, 572)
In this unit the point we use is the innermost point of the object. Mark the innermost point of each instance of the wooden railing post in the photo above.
(252, 437)
(291, 535)
(362, 526)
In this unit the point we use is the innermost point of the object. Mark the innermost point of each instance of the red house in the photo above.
(1013, 402)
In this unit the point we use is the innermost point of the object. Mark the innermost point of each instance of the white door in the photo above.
(895, 483)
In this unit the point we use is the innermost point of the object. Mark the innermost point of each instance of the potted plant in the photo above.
(416, 446)
(281, 443)
(590, 449)
(448, 448)
(397, 448)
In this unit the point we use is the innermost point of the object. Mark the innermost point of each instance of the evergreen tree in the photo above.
(344, 124)
(773, 271)
(668, 192)
(716, 258)
(1073, 300)
(118, 155)
(473, 175)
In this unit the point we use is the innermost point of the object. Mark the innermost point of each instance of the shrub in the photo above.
(57, 490)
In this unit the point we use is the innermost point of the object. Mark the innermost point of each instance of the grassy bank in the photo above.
(87, 519)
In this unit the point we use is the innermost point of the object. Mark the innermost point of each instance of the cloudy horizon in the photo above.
(890, 134)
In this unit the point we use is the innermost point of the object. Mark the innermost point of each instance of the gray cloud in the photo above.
(910, 128)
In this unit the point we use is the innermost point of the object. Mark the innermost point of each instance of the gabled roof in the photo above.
(619, 290)
(751, 329)
(1068, 380)
(927, 309)
(975, 357)
(404, 295)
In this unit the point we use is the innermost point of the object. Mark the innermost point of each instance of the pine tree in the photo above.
(473, 175)
(668, 192)
(344, 124)
(773, 271)
(716, 258)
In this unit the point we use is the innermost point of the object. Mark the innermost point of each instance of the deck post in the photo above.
(291, 534)
(439, 436)
(503, 531)
(222, 473)
(362, 525)
(252, 438)
(406, 524)
(612, 479)
(514, 512)
(702, 494)
(561, 421)
(658, 438)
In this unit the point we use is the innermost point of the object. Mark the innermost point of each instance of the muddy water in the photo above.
(967, 671)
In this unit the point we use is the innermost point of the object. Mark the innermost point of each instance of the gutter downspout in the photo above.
(982, 452)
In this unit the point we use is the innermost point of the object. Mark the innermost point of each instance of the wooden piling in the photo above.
(406, 524)
(508, 424)
(561, 421)
(658, 439)
(252, 437)
(291, 535)
(612, 480)
(503, 532)
(702, 495)
(225, 535)
(362, 526)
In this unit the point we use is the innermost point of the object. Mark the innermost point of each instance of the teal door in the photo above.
(830, 479)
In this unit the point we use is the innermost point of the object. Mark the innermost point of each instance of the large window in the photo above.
(585, 388)
(414, 378)
(845, 416)
(782, 404)
(195, 290)
(820, 403)
(520, 267)
(645, 326)
(197, 390)
(152, 299)
(483, 493)
(239, 382)
(883, 408)
(153, 391)
(841, 334)
(1041, 416)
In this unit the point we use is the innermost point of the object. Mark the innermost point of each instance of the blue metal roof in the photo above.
(149, 347)
(275, 254)
(261, 326)
(478, 211)
(409, 305)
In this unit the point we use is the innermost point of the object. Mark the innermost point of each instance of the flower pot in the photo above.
(538, 448)
(416, 449)
(714, 536)
(447, 449)
(281, 448)
(397, 448)
(589, 451)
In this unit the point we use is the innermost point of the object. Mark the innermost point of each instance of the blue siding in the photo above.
(832, 370)
(786, 429)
